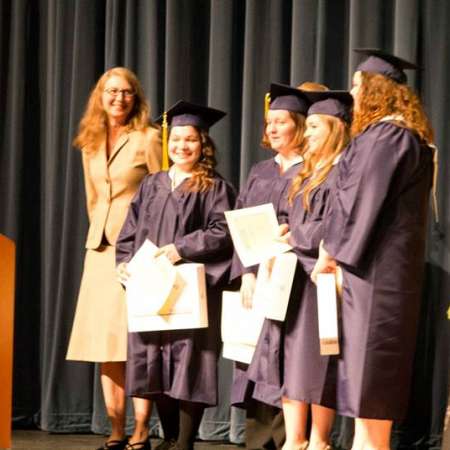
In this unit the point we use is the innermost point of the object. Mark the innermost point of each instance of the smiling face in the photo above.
(185, 147)
(117, 99)
(316, 133)
(280, 130)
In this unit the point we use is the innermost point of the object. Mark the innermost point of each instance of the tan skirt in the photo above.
(99, 332)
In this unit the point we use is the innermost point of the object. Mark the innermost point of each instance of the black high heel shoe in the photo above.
(114, 444)
(143, 445)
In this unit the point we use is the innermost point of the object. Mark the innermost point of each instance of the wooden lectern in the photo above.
(7, 277)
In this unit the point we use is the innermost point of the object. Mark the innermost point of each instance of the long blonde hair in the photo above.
(379, 96)
(318, 164)
(93, 125)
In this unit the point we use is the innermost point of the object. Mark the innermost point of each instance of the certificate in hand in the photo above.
(328, 315)
(240, 327)
(254, 232)
(151, 281)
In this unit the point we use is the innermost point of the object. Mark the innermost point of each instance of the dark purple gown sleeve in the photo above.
(365, 180)
(125, 241)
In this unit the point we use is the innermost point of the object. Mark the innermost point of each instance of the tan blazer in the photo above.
(111, 183)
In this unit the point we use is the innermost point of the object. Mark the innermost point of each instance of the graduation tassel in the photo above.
(266, 103)
(435, 179)
(165, 144)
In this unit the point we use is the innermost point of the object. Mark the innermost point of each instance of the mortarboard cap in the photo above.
(385, 64)
(331, 103)
(185, 113)
(288, 98)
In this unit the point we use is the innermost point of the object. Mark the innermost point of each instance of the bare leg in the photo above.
(295, 417)
(372, 434)
(142, 410)
(113, 385)
(322, 421)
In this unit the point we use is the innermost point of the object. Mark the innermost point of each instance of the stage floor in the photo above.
(41, 440)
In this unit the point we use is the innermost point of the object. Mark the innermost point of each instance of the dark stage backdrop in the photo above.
(221, 52)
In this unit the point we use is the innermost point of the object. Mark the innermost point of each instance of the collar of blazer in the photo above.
(123, 139)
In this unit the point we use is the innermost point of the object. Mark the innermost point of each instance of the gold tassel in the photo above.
(434, 201)
(266, 103)
(165, 143)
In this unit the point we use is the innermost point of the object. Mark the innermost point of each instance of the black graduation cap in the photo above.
(184, 113)
(289, 98)
(331, 103)
(384, 63)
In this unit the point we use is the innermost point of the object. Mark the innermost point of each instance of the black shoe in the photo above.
(143, 445)
(114, 444)
(165, 445)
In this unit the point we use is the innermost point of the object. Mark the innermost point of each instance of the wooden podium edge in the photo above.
(7, 288)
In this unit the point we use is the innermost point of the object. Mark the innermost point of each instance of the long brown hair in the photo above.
(203, 171)
(380, 96)
(318, 164)
(93, 125)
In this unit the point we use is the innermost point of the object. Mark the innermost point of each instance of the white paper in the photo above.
(327, 312)
(185, 307)
(240, 326)
(254, 232)
(274, 284)
(151, 281)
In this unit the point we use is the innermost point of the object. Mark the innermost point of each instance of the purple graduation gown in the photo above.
(181, 363)
(307, 375)
(264, 184)
(376, 231)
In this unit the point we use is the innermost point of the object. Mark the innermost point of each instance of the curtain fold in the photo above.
(221, 52)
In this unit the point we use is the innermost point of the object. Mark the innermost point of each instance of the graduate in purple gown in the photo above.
(182, 212)
(267, 183)
(375, 231)
(309, 377)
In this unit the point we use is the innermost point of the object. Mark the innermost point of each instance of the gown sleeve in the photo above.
(125, 241)
(365, 179)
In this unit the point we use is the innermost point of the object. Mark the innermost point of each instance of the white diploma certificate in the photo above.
(240, 327)
(254, 232)
(328, 315)
(274, 284)
(161, 296)
(151, 281)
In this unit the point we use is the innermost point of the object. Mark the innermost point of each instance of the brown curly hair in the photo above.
(203, 171)
(93, 125)
(319, 163)
(380, 96)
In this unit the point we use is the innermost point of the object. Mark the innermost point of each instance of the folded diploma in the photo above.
(274, 284)
(328, 315)
(161, 296)
(254, 232)
(240, 327)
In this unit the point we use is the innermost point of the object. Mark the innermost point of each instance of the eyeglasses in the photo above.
(115, 92)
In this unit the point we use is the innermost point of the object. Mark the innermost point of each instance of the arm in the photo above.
(364, 183)
(91, 193)
(125, 241)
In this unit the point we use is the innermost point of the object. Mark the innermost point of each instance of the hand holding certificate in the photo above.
(161, 296)
(255, 234)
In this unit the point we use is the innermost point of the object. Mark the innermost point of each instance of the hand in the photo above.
(247, 289)
(283, 234)
(325, 264)
(122, 273)
(170, 252)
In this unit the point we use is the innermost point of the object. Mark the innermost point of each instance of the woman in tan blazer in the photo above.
(119, 147)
